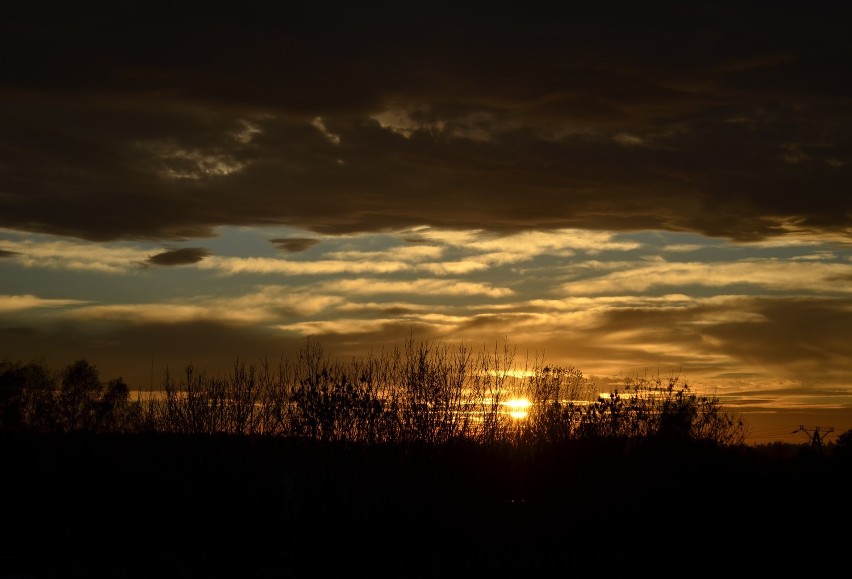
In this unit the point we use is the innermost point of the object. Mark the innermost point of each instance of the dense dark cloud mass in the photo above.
(5, 253)
(181, 256)
(150, 120)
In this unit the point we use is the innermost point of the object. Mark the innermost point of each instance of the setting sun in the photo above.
(518, 407)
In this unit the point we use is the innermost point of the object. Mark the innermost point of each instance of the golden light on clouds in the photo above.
(788, 275)
(76, 256)
(17, 303)
(423, 286)
(268, 265)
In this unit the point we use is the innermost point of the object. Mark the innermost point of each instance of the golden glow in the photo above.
(518, 407)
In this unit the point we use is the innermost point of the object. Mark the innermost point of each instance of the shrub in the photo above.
(665, 410)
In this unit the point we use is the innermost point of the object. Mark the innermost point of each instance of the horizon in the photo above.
(195, 187)
(762, 426)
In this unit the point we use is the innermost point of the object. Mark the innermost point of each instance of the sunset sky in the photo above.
(629, 189)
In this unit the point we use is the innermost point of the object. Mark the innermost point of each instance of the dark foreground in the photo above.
(140, 506)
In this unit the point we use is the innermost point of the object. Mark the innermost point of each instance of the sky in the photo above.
(630, 189)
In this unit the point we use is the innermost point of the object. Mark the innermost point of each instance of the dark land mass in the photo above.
(164, 505)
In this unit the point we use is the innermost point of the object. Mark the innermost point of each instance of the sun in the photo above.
(518, 407)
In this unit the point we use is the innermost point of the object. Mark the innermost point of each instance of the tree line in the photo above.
(421, 392)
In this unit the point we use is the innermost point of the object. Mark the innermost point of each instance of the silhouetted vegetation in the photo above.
(407, 463)
(418, 393)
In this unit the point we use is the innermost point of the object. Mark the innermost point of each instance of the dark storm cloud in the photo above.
(183, 256)
(294, 244)
(154, 121)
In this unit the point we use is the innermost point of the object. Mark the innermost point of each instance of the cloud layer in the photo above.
(729, 120)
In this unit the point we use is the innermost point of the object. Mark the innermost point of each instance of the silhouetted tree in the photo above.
(27, 397)
(12, 385)
(843, 447)
(79, 396)
(113, 410)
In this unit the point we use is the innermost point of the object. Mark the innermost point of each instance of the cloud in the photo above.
(448, 287)
(408, 253)
(161, 313)
(263, 306)
(320, 126)
(578, 123)
(453, 267)
(769, 274)
(193, 164)
(524, 244)
(338, 326)
(814, 347)
(62, 254)
(16, 303)
(295, 244)
(268, 265)
(183, 256)
(275, 301)
(628, 140)
(683, 247)
(4, 253)
(400, 308)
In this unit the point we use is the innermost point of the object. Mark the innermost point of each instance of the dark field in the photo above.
(168, 505)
